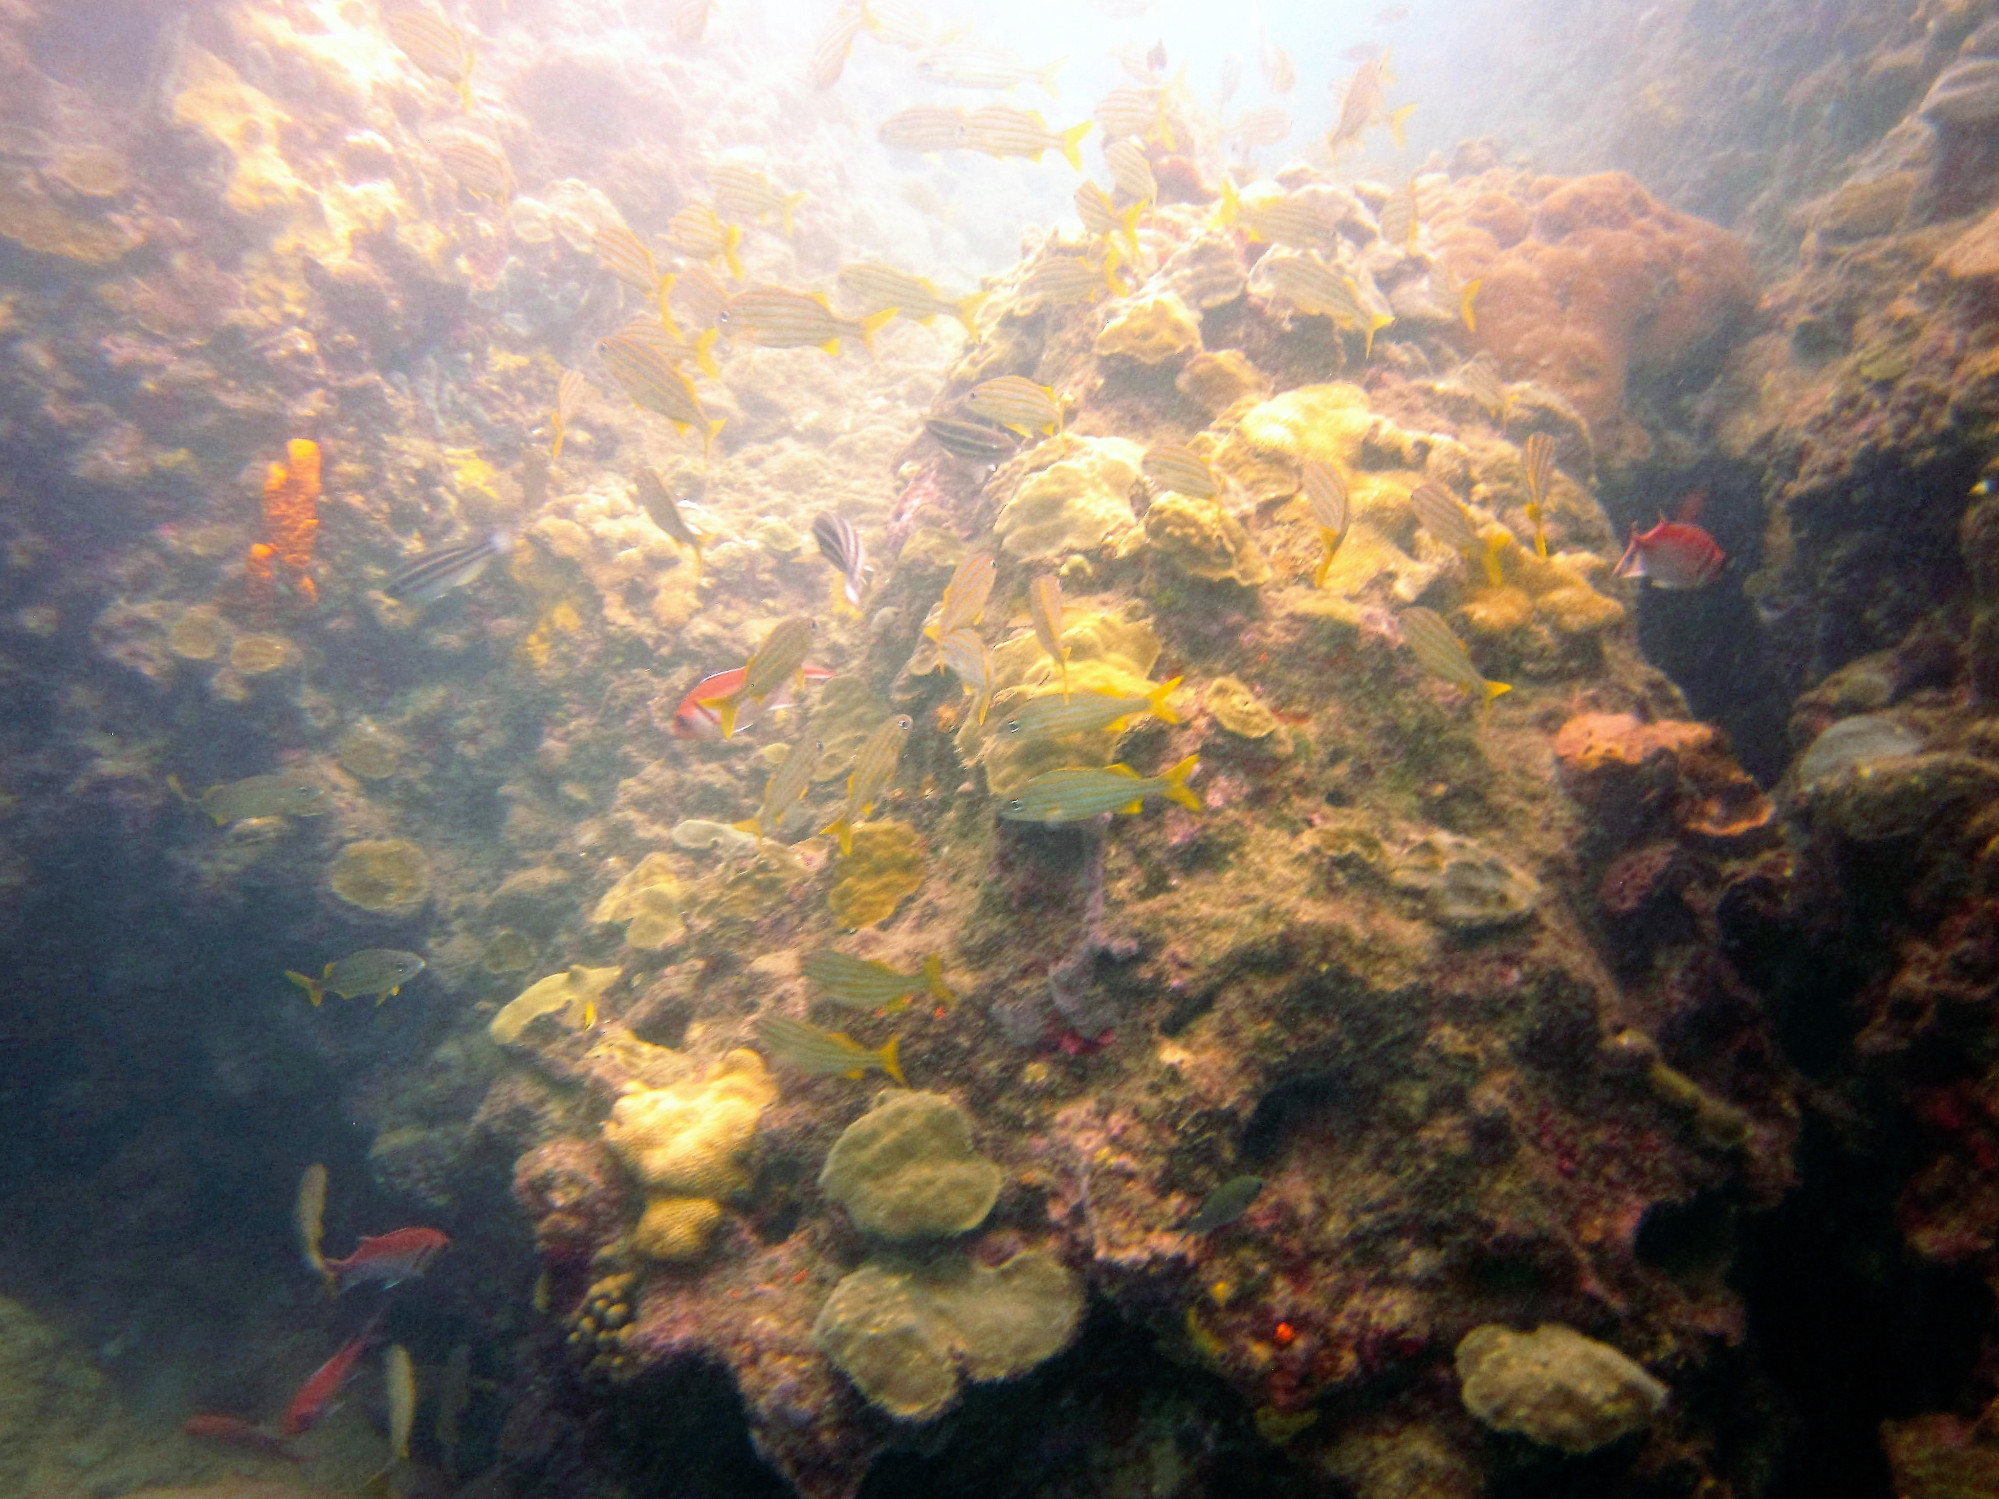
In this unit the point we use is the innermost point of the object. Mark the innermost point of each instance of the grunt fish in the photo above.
(1105, 219)
(874, 763)
(435, 46)
(644, 373)
(309, 1214)
(1017, 402)
(1080, 793)
(667, 340)
(1052, 717)
(1224, 1205)
(625, 256)
(390, 1258)
(570, 391)
(698, 295)
(965, 596)
(697, 232)
(1139, 112)
(830, 52)
(781, 792)
(399, 1375)
(1539, 464)
(747, 193)
(1443, 655)
(779, 318)
(1279, 219)
(1365, 104)
(1479, 379)
(1444, 517)
(841, 545)
(972, 664)
(863, 984)
(478, 166)
(1317, 290)
(285, 794)
(1398, 219)
(726, 839)
(380, 971)
(973, 440)
(1002, 130)
(925, 128)
(658, 504)
(897, 23)
(774, 664)
(1044, 604)
(1446, 288)
(971, 65)
(1181, 470)
(1326, 498)
(428, 576)
(1064, 280)
(1131, 171)
(820, 1053)
(315, 1397)
(1260, 127)
(693, 719)
(884, 288)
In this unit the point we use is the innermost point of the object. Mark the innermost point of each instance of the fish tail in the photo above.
(1227, 210)
(1072, 143)
(832, 346)
(314, 989)
(1177, 789)
(555, 450)
(1398, 120)
(1128, 222)
(708, 446)
(1064, 658)
(666, 284)
(933, 980)
(173, 783)
(890, 1060)
(1157, 698)
(1046, 77)
(704, 354)
(1493, 690)
(791, 202)
(873, 324)
(1111, 282)
(730, 243)
(842, 828)
(1466, 295)
(1325, 566)
(968, 311)
(725, 711)
(747, 825)
(1495, 575)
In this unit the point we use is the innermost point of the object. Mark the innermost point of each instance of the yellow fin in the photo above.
(730, 242)
(1046, 77)
(791, 202)
(1397, 120)
(1176, 787)
(841, 828)
(1072, 141)
(873, 324)
(891, 1064)
(314, 990)
(1465, 297)
(704, 354)
(968, 311)
(1157, 698)
(933, 979)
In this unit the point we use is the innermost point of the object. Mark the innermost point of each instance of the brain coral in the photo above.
(389, 875)
(692, 1139)
(906, 1169)
(909, 1335)
(1555, 1386)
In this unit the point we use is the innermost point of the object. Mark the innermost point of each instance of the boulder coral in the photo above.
(1555, 1386)
(388, 876)
(906, 1169)
(1078, 499)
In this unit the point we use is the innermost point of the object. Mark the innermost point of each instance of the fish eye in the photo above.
(1013, 726)
(1016, 805)
(902, 722)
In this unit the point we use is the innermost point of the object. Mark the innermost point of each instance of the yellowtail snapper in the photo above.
(863, 984)
(821, 1053)
(431, 575)
(1078, 794)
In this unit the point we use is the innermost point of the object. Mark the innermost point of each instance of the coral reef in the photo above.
(1555, 1386)
(906, 1169)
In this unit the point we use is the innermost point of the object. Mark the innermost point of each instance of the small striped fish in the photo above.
(1134, 111)
(1131, 171)
(435, 46)
(659, 506)
(746, 193)
(1044, 604)
(1318, 291)
(971, 65)
(1539, 456)
(1398, 218)
(1261, 127)
(478, 166)
(698, 295)
(897, 23)
(678, 350)
(1479, 379)
(696, 231)
(825, 1053)
(433, 574)
(873, 765)
(1443, 517)
(1002, 130)
(778, 318)
(841, 545)
(1102, 218)
(829, 53)
(1180, 470)
(1326, 498)
(1052, 717)
(1443, 655)
(924, 128)
(1078, 794)
(781, 792)
(863, 984)
(1446, 288)
(973, 440)
(972, 664)
(771, 666)
(965, 596)
(645, 374)
(880, 288)
(1065, 280)
(687, 20)
(570, 392)
(1017, 402)
(1297, 223)
(625, 256)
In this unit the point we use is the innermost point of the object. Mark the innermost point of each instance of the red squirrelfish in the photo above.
(402, 1254)
(1673, 554)
(238, 1433)
(315, 1397)
(693, 720)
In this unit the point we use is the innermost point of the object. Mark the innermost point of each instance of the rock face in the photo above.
(1555, 1386)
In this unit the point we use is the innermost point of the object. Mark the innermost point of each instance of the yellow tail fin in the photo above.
(1495, 575)
(314, 989)
(842, 828)
(1227, 211)
(730, 243)
(704, 353)
(1493, 690)
(968, 311)
(665, 313)
(873, 324)
(933, 979)
(1397, 119)
(708, 449)
(1046, 77)
(1072, 142)
(1465, 298)
(1177, 789)
(1128, 221)
(891, 1062)
(1375, 324)
(1157, 698)
(791, 202)
(555, 449)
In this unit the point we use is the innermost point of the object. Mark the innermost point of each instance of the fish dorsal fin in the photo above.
(1123, 770)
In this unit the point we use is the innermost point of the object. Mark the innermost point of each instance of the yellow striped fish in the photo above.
(1080, 793)
(1279, 219)
(1181, 470)
(1446, 288)
(645, 374)
(1131, 171)
(625, 256)
(658, 504)
(1443, 516)
(435, 46)
(883, 288)
(819, 1053)
(399, 1375)
(965, 596)
(863, 984)
(570, 392)
(696, 231)
(1443, 655)
(1065, 280)
(1318, 291)
(1326, 498)
(310, 1217)
(778, 318)
(1479, 379)
(1539, 456)
(1017, 402)
(1052, 717)
(478, 166)
(874, 763)
(781, 792)
(678, 350)
(925, 128)
(1398, 218)
(898, 23)
(829, 53)
(1139, 112)
(972, 664)
(973, 65)
(1103, 218)
(746, 193)
(1002, 130)
(773, 664)
(698, 295)
(1044, 603)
